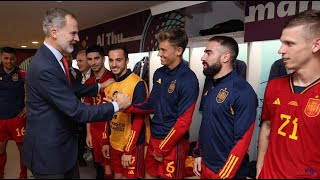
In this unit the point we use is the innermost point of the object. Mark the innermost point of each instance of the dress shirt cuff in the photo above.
(116, 107)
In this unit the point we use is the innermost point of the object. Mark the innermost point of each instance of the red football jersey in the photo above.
(98, 99)
(293, 149)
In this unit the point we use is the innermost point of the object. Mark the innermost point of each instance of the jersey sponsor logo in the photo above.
(276, 102)
(131, 172)
(159, 81)
(222, 95)
(312, 108)
(172, 86)
(293, 103)
(15, 77)
(117, 126)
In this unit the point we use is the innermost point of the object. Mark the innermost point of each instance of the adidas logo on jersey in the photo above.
(131, 172)
(277, 101)
(159, 81)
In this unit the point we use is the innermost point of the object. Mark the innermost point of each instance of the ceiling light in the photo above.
(23, 46)
(59, 1)
(34, 42)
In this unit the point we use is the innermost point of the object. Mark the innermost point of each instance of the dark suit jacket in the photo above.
(50, 143)
(74, 78)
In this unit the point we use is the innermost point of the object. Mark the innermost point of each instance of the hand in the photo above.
(126, 160)
(23, 112)
(89, 140)
(105, 151)
(108, 99)
(197, 166)
(158, 158)
(106, 83)
(123, 101)
(258, 169)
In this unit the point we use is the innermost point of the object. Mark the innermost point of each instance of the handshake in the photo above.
(123, 100)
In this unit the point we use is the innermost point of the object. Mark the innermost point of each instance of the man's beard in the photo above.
(96, 70)
(212, 70)
(65, 45)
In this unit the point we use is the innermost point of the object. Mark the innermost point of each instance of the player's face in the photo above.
(118, 62)
(296, 47)
(211, 60)
(67, 36)
(169, 55)
(8, 60)
(82, 62)
(96, 61)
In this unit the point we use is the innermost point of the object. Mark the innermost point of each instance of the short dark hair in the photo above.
(9, 50)
(119, 46)
(95, 48)
(229, 43)
(176, 36)
(309, 18)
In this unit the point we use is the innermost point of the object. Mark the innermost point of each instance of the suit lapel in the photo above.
(51, 58)
(46, 51)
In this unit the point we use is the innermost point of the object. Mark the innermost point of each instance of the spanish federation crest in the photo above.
(15, 77)
(222, 95)
(312, 108)
(172, 86)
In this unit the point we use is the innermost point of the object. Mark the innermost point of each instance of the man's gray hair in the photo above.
(55, 17)
(81, 51)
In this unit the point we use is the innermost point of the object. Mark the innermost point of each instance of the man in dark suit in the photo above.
(72, 71)
(50, 145)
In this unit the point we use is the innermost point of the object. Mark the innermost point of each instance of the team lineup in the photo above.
(53, 111)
